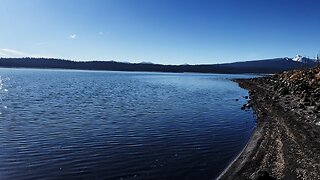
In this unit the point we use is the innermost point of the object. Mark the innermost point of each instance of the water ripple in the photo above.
(111, 125)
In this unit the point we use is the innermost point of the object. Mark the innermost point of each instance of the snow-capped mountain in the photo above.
(302, 59)
(297, 58)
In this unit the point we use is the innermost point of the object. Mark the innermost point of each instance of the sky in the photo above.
(160, 31)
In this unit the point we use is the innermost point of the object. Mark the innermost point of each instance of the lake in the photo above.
(69, 124)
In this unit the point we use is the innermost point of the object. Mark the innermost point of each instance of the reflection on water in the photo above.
(2, 93)
(113, 125)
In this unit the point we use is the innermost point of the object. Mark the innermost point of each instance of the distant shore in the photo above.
(286, 141)
(267, 66)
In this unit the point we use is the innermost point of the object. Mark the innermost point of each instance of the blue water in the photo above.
(61, 124)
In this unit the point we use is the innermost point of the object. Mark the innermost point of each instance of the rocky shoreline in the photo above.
(286, 141)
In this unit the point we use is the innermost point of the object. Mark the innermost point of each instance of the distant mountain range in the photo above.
(266, 66)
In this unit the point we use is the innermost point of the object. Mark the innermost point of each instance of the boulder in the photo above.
(264, 175)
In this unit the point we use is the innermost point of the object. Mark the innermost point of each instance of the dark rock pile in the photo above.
(286, 141)
(298, 91)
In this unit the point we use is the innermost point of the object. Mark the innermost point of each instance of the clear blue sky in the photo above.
(160, 31)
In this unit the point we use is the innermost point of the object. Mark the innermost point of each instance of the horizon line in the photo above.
(142, 62)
